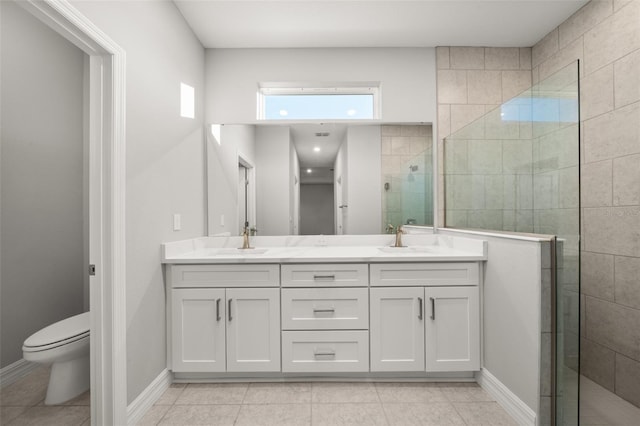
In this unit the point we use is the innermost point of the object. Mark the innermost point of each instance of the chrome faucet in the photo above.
(399, 232)
(245, 239)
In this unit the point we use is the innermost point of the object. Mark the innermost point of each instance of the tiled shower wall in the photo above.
(472, 81)
(406, 194)
(605, 37)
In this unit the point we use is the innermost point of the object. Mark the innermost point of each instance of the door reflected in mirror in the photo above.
(318, 178)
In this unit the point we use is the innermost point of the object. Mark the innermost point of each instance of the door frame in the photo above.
(107, 73)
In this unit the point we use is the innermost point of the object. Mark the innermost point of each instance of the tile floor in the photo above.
(282, 404)
(22, 404)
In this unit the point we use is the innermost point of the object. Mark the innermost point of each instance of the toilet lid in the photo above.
(71, 328)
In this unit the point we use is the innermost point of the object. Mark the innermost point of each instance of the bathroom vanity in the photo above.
(350, 306)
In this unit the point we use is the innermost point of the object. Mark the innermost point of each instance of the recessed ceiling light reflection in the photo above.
(352, 112)
(316, 149)
(284, 112)
(308, 171)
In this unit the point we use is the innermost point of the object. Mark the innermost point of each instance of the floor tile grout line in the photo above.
(244, 396)
(164, 415)
(458, 412)
(311, 406)
(386, 417)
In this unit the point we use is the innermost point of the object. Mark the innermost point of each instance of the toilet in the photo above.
(65, 345)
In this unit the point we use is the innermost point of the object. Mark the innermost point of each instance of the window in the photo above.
(551, 109)
(319, 103)
(187, 101)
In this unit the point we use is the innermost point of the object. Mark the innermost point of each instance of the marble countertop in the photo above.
(325, 249)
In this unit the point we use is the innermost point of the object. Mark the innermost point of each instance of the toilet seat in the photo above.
(59, 334)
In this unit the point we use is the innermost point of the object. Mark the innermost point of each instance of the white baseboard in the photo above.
(522, 414)
(139, 406)
(14, 372)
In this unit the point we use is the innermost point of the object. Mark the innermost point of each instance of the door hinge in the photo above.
(92, 270)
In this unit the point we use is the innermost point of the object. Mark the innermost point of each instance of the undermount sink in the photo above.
(405, 249)
(238, 251)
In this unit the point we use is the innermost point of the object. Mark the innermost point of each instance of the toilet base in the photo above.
(68, 379)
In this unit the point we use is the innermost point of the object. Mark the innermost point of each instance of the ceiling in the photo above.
(361, 23)
(305, 140)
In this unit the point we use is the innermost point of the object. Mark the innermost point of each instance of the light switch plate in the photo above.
(176, 222)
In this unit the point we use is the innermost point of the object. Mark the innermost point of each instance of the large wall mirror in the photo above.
(318, 178)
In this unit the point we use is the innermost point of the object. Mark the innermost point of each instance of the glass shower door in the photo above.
(517, 168)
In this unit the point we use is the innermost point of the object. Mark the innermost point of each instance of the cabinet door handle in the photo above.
(420, 308)
(326, 310)
(229, 309)
(324, 352)
(433, 308)
(218, 310)
(324, 277)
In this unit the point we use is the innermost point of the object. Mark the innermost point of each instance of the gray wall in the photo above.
(515, 328)
(222, 176)
(406, 75)
(273, 180)
(316, 209)
(165, 173)
(42, 179)
(364, 188)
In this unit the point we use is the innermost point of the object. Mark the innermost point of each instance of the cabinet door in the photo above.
(253, 329)
(397, 329)
(452, 329)
(198, 330)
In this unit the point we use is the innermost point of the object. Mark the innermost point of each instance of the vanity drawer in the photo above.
(425, 274)
(325, 308)
(325, 351)
(254, 275)
(325, 275)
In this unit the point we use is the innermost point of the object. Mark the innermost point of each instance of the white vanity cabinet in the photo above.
(316, 318)
(216, 328)
(425, 317)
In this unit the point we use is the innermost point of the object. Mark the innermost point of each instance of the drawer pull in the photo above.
(229, 308)
(218, 310)
(324, 352)
(324, 311)
(433, 308)
(420, 308)
(324, 277)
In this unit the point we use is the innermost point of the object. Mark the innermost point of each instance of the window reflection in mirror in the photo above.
(318, 178)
